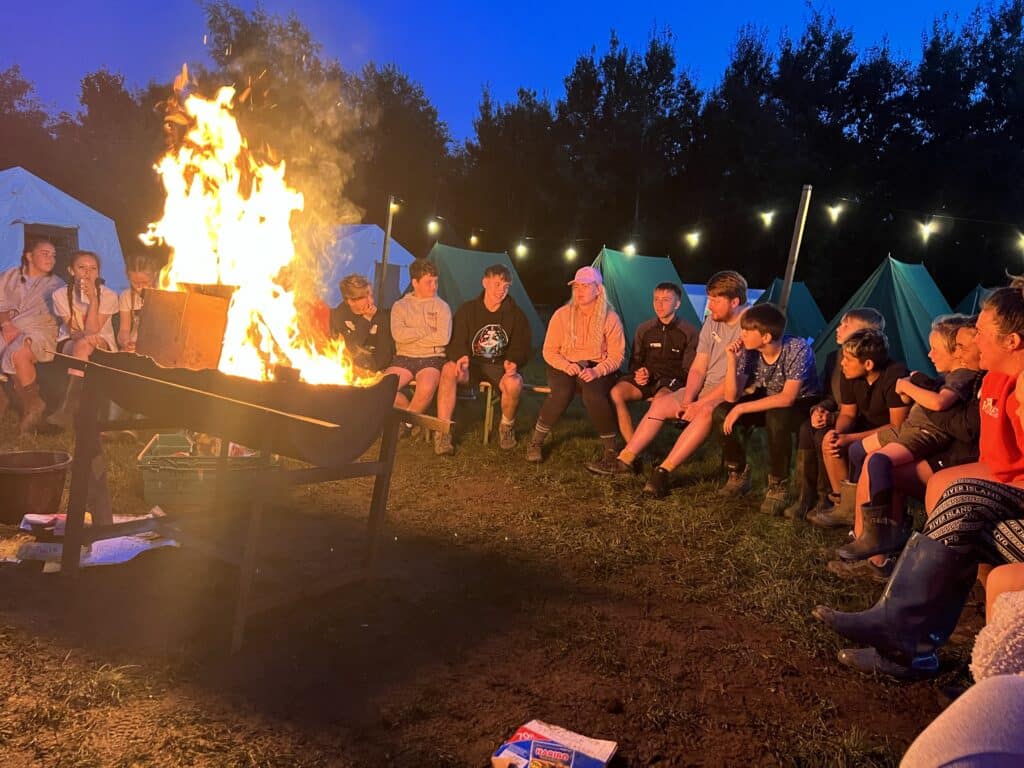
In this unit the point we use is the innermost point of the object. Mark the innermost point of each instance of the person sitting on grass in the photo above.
(86, 308)
(879, 526)
(142, 274)
(812, 480)
(770, 381)
(28, 327)
(364, 327)
(490, 341)
(868, 401)
(421, 325)
(975, 515)
(694, 404)
(584, 348)
(663, 350)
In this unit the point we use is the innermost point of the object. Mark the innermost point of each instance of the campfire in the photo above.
(227, 221)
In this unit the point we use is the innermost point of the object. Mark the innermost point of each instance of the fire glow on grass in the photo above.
(227, 220)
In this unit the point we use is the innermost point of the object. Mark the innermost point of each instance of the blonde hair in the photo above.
(596, 326)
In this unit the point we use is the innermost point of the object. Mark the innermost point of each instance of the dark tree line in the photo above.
(632, 150)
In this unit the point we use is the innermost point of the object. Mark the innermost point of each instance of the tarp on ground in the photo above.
(971, 303)
(629, 285)
(460, 272)
(908, 299)
(28, 202)
(357, 249)
(803, 316)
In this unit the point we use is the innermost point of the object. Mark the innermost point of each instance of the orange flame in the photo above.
(227, 219)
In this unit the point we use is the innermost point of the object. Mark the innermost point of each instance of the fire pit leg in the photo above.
(88, 456)
(246, 569)
(381, 487)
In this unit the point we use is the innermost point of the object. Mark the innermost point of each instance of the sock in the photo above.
(879, 469)
(540, 432)
(856, 455)
(610, 442)
(507, 422)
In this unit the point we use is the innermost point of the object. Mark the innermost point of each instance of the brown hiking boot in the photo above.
(776, 497)
(507, 436)
(861, 569)
(737, 484)
(610, 464)
(443, 444)
(658, 484)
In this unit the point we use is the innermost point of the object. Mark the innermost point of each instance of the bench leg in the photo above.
(488, 391)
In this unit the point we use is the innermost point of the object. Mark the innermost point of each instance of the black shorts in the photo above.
(416, 364)
(921, 442)
(651, 388)
(480, 370)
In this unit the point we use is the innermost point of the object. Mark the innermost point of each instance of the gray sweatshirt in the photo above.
(421, 327)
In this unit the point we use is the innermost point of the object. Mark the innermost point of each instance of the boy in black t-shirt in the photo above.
(777, 372)
(490, 341)
(868, 402)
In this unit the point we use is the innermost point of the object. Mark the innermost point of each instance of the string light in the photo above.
(928, 228)
(395, 206)
(570, 254)
(834, 211)
(1020, 242)
(693, 239)
(521, 250)
(629, 249)
(474, 241)
(433, 226)
(767, 217)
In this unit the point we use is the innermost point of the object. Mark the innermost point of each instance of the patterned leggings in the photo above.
(983, 517)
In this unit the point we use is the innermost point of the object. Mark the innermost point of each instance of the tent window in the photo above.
(64, 239)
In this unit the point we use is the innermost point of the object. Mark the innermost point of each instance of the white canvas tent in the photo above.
(358, 249)
(30, 205)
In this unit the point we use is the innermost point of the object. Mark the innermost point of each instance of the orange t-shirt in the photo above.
(1001, 445)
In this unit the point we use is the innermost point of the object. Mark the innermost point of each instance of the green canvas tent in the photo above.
(460, 272)
(803, 317)
(629, 284)
(908, 299)
(971, 303)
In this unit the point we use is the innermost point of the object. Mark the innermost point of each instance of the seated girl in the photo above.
(28, 328)
(142, 274)
(86, 309)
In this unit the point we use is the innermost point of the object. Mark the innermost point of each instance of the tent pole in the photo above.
(379, 287)
(794, 246)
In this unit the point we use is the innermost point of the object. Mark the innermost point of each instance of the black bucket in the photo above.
(31, 482)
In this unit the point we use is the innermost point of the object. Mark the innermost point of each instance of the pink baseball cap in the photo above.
(587, 275)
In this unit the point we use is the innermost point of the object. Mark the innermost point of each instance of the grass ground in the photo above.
(508, 591)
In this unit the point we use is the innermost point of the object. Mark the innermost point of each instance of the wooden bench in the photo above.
(492, 396)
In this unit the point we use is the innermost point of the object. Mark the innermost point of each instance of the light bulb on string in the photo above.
(927, 229)
(521, 250)
(693, 239)
(629, 249)
(570, 254)
(766, 218)
(433, 226)
(834, 211)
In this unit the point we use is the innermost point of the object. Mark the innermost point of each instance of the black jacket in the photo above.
(666, 351)
(490, 336)
(367, 342)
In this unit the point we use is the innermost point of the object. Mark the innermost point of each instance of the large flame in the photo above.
(227, 219)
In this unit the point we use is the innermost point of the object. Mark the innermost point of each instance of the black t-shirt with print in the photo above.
(873, 401)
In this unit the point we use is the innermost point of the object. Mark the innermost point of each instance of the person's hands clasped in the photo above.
(641, 376)
(572, 369)
(833, 443)
(693, 411)
(819, 417)
(587, 375)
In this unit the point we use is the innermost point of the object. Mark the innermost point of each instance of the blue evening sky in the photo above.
(451, 48)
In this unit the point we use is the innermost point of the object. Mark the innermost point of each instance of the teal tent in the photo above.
(803, 317)
(971, 303)
(908, 299)
(629, 285)
(460, 272)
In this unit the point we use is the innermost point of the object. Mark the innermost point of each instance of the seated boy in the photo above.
(770, 382)
(812, 481)
(868, 402)
(663, 350)
(364, 326)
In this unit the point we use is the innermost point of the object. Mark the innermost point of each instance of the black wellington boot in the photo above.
(880, 535)
(920, 605)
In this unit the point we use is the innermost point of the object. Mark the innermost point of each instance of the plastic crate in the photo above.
(186, 481)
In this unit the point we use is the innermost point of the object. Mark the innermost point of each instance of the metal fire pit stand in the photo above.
(168, 404)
